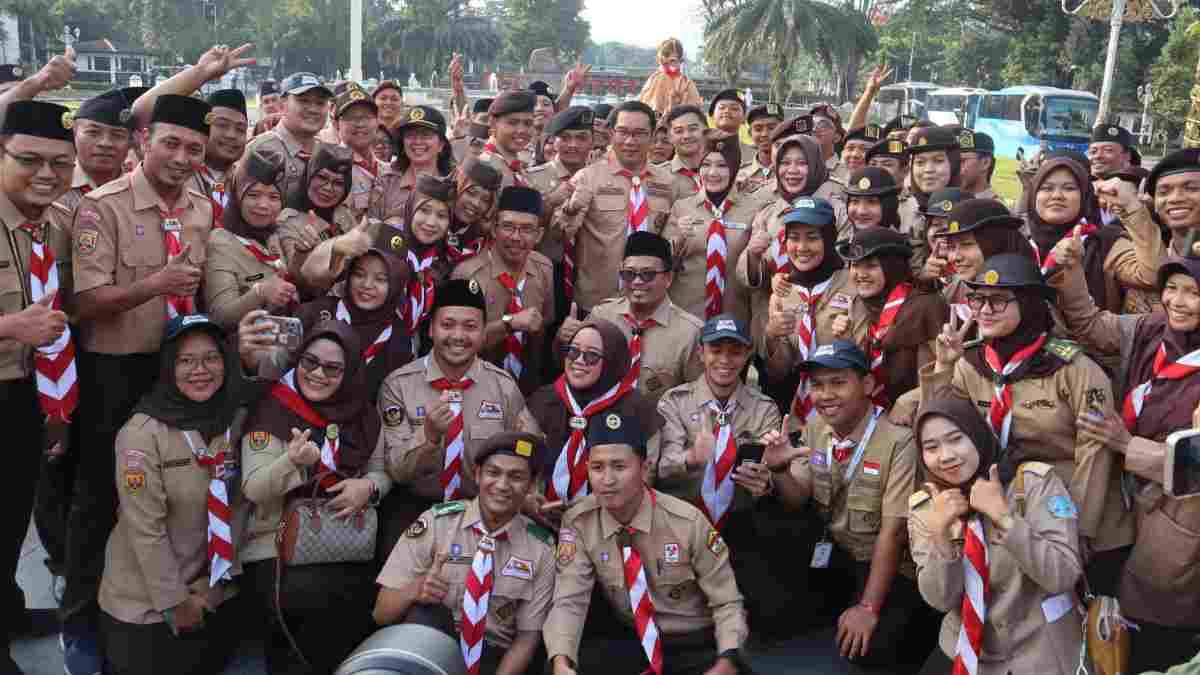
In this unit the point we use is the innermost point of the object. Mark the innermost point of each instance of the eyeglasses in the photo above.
(822, 124)
(33, 163)
(509, 230)
(644, 276)
(573, 353)
(997, 303)
(210, 361)
(311, 363)
(636, 134)
(337, 183)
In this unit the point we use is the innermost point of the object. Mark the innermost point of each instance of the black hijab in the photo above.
(830, 261)
(966, 417)
(1036, 319)
(264, 166)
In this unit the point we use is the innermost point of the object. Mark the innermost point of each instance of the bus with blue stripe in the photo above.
(1034, 117)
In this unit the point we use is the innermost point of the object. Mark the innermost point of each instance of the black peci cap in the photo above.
(614, 429)
(1113, 133)
(520, 199)
(459, 293)
(233, 99)
(184, 111)
(114, 108)
(648, 244)
(1180, 161)
(539, 88)
(40, 119)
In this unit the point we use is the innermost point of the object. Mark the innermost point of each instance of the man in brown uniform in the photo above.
(760, 169)
(682, 589)
(436, 410)
(613, 199)
(305, 107)
(860, 469)
(517, 283)
(664, 339)
(270, 107)
(728, 111)
(686, 125)
(426, 575)
(35, 170)
(356, 117)
(104, 127)
(139, 250)
(511, 117)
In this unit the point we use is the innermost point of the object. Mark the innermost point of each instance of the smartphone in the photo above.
(751, 451)
(1182, 466)
(288, 331)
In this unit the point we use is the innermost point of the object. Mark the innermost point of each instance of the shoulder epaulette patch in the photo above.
(917, 498)
(1037, 468)
(540, 533)
(1063, 349)
(449, 508)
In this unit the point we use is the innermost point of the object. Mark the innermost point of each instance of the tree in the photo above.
(425, 34)
(533, 24)
(1173, 76)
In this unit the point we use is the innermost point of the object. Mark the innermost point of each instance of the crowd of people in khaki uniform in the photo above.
(619, 391)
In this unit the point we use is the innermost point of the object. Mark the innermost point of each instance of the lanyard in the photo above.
(858, 451)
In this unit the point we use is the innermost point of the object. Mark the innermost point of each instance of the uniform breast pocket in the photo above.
(510, 593)
(656, 380)
(677, 584)
(864, 521)
(11, 294)
(609, 203)
(143, 256)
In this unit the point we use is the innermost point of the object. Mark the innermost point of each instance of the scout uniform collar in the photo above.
(145, 196)
(677, 165)
(703, 395)
(80, 179)
(433, 371)
(13, 218)
(498, 268)
(560, 170)
(290, 142)
(642, 520)
(661, 314)
(860, 428)
(474, 515)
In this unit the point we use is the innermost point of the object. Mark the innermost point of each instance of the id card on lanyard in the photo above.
(823, 550)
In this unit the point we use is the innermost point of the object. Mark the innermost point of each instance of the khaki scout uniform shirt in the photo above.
(159, 548)
(547, 179)
(292, 224)
(295, 157)
(268, 475)
(688, 575)
(600, 242)
(390, 193)
(755, 174)
(119, 240)
(837, 299)
(1032, 625)
(752, 414)
(687, 229)
(880, 487)
(81, 184)
(501, 163)
(491, 405)
(230, 272)
(361, 184)
(522, 566)
(683, 186)
(670, 349)
(16, 249)
(838, 171)
(1043, 429)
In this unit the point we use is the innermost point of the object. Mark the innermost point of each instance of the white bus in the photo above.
(952, 104)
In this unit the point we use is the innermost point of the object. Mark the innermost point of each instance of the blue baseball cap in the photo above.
(839, 355)
(185, 323)
(809, 212)
(724, 327)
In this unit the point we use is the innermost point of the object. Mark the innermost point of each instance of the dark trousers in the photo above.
(24, 421)
(1103, 571)
(1155, 647)
(109, 388)
(551, 361)
(327, 609)
(781, 389)
(152, 649)
(52, 504)
(690, 654)
(907, 630)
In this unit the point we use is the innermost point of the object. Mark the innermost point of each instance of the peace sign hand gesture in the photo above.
(779, 451)
(948, 347)
(219, 60)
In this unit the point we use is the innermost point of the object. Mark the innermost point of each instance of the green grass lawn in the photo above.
(1004, 181)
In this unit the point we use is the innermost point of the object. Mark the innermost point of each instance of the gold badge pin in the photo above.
(613, 421)
(357, 95)
(331, 432)
(524, 448)
(864, 183)
(1113, 131)
(473, 286)
(397, 243)
(991, 277)
(124, 116)
(966, 141)
(209, 117)
(68, 120)
(947, 206)
(416, 115)
(895, 147)
(922, 141)
(952, 227)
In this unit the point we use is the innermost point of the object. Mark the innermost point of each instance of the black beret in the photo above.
(798, 125)
(726, 95)
(540, 88)
(871, 133)
(113, 108)
(575, 118)
(942, 201)
(11, 72)
(1180, 161)
(268, 87)
(1112, 133)
(515, 444)
(648, 244)
(481, 105)
(874, 241)
(766, 110)
(1011, 270)
(423, 116)
(892, 147)
(511, 102)
(458, 293)
(602, 110)
(871, 181)
(970, 140)
(932, 139)
(39, 118)
(482, 174)
(969, 215)
(233, 99)
(387, 84)
(520, 199)
(614, 429)
(436, 187)
(184, 111)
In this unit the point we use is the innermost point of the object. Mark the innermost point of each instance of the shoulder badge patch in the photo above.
(135, 480)
(1061, 506)
(715, 543)
(393, 415)
(85, 242)
(449, 508)
(417, 529)
(259, 440)
(1063, 349)
(917, 498)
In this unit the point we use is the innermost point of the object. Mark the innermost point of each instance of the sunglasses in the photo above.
(311, 364)
(573, 353)
(644, 276)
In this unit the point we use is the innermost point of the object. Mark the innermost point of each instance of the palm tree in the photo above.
(837, 34)
(428, 32)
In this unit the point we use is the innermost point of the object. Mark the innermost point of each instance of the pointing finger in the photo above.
(69, 52)
(994, 473)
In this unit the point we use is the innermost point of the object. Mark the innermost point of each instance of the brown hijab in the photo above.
(349, 408)
(817, 171)
(966, 417)
(919, 320)
(263, 166)
(1036, 319)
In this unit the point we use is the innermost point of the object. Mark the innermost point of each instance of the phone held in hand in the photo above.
(1181, 467)
(288, 331)
(750, 452)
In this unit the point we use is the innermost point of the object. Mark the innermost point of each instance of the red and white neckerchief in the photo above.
(1000, 413)
(716, 488)
(514, 342)
(370, 165)
(839, 449)
(569, 269)
(694, 175)
(220, 516)
(717, 253)
(177, 305)
(420, 287)
(515, 165)
(1048, 262)
(638, 217)
(635, 346)
(778, 251)
(877, 332)
(806, 340)
(1176, 370)
(286, 393)
(458, 248)
(57, 386)
(342, 313)
(976, 590)
(451, 478)
(216, 187)
(476, 596)
(639, 598)
(265, 257)
(570, 477)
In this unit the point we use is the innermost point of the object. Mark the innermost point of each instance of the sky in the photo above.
(646, 22)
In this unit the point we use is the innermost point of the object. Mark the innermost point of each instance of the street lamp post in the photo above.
(356, 21)
(1146, 131)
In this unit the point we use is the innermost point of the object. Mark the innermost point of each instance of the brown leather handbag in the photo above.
(309, 534)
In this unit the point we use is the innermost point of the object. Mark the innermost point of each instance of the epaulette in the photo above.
(676, 505)
(538, 169)
(678, 390)
(1063, 349)
(61, 208)
(1036, 468)
(539, 258)
(448, 508)
(493, 368)
(917, 498)
(287, 213)
(414, 366)
(758, 393)
(687, 316)
(580, 507)
(112, 187)
(471, 265)
(540, 533)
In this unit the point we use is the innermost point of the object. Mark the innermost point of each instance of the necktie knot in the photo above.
(443, 384)
(34, 231)
(841, 449)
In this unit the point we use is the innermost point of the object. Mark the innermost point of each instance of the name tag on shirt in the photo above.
(489, 410)
(870, 468)
(518, 568)
(172, 225)
(840, 301)
(729, 225)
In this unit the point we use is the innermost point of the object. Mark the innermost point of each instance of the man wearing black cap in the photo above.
(38, 145)
(512, 125)
(891, 155)
(859, 470)
(479, 110)
(270, 107)
(686, 125)
(856, 145)
(56, 74)
(437, 409)
(305, 109)
(356, 117)
(728, 111)
(543, 106)
(682, 611)
(139, 249)
(612, 199)
(602, 136)
(977, 163)
(104, 127)
(760, 168)
(517, 281)
(432, 566)
(664, 339)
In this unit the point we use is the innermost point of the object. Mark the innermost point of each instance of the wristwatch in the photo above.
(507, 320)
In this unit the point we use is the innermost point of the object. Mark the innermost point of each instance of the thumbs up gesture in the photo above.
(570, 325)
(948, 506)
(58, 72)
(706, 441)
(39, 324)
(355, 242)
(1068, 252)
(434, 585)
(179, 276)
(987, 496)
